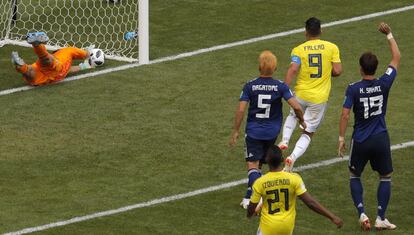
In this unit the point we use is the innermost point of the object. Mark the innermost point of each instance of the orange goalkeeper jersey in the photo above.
(59, 68)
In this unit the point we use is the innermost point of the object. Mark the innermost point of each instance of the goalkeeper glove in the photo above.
(85, 65)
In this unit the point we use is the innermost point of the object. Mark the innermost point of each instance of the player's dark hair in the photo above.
(368, 63)
(274, 157)
(313, 26)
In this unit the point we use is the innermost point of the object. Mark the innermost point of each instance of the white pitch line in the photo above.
(216, 48)
(180, 196)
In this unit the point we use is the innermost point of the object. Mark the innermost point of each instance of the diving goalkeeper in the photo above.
(49, 68)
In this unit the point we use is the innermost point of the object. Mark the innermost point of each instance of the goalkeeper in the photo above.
(49, 68)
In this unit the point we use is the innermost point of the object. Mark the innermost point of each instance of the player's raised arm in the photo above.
(237, 122)
(395, 52)
(318, 208)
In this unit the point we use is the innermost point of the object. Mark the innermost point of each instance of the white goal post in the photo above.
(80, 23)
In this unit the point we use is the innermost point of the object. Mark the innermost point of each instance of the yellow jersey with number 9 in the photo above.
(278, 191)
(315, 57)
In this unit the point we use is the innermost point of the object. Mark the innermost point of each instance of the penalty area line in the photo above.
(181, 196)
(216, 48)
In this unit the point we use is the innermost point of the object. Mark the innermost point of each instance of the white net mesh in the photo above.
(77, 23)
(5, 17)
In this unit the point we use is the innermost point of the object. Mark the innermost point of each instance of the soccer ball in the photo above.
(96, 57)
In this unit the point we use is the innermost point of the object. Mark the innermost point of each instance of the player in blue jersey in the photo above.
(264, 120)
(370, 142)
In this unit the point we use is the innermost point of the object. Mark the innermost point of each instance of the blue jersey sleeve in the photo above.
(245, 94)
(389, 76)
(349, 98)
(285, 91)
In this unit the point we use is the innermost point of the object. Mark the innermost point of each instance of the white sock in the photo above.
(301, 146)
(288, 128)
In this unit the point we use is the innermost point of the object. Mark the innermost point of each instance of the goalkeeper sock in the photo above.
(357, 192)
(383, 195)
(41, 52)
(22, 69)
(253, 175)
(288, 128)
(301, 146)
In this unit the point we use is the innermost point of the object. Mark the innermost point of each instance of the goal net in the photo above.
(79, 23)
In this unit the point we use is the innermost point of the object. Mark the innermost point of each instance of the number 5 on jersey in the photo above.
(265, 106)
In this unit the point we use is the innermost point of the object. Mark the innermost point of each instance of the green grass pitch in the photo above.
(122, 138)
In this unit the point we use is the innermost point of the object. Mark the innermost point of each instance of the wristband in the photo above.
(341, 139)
(389, 36)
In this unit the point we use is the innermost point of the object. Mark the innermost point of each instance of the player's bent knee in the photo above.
(354, 174)
(30, 74)
(309, 134)
(253, 164)
(386, 176)
(292, 113)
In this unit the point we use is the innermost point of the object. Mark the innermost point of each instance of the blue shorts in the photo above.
(255, 150)
(376, 149)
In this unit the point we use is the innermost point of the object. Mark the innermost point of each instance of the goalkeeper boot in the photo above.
(16, 60)
(289, 161)
(37, 38)
(364, 222)
(384, 224)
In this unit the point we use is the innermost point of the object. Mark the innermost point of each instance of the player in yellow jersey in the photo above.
(313, 64)
(279, 190)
